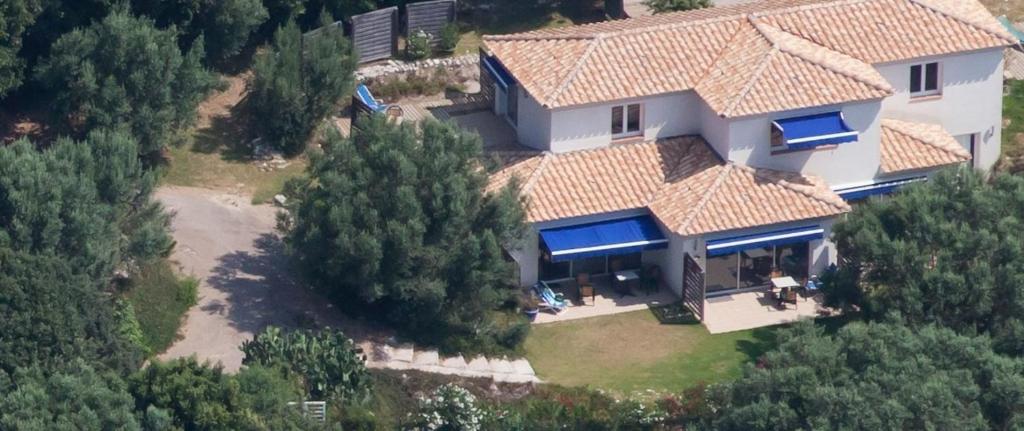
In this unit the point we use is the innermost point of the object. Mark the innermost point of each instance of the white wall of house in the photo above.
(970, 101)
(533, 127)
(714, 129)
(589, 126)
(750, 144)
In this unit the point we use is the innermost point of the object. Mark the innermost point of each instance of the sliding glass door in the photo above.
(754, 267)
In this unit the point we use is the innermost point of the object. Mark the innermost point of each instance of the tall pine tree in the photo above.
(397, 219)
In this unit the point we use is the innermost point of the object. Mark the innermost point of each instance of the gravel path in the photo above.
(231, 246)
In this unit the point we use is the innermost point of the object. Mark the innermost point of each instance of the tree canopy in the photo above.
(298, 82)
(663, 6)
(228, 25)
(950, 252)
(873, 377)
(123, 72)
(398, 220)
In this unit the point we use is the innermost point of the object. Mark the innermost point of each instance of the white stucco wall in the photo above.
(750, 144)
(589, 126)
(534, 126)
(714, 129)
(971, 100)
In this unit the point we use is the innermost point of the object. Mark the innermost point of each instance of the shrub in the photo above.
(449, 38)
(411, 237)
(128, 326)
(417, 45)
(298, 82)
(663, 6)
(196, 395)
(327, 361)
(450, 407)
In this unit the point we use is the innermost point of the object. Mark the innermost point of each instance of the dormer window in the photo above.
(924, 80)
(626, 120)
(810, 132)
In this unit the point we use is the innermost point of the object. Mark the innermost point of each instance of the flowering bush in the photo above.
(635, 413)
(450, 408)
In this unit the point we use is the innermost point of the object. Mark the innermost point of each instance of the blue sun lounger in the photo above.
(548, 299)
(367, 99)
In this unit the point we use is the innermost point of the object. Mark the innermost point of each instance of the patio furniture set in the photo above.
(788, 289)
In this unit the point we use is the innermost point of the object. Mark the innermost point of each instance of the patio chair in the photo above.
(549, 300)
(584, 289)
(371, 104)
(787, 295)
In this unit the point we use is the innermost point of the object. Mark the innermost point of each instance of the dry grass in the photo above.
(216, 157)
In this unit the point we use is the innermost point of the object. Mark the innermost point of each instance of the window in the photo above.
(626, 120)
(924, 79)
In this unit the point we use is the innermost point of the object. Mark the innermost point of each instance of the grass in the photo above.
(192, 168)
(215, 155)
(160, 299)
(1013, 127)
(634, 351)
(1013, 9)
(517, 17)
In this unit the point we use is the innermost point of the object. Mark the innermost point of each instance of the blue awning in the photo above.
(881, 188)
(606, 238)
(734, 244)
(498, 72)
(815, 130)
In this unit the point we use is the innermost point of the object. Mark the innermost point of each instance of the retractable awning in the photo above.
(734, 244)
(606, 238)
(498, 72)
(880, 188)
(815, 130)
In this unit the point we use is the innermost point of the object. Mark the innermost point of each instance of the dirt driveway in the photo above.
(231, 246)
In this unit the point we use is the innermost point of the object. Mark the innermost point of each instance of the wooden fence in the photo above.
(693, 286)
(375, 34)
(430, 17)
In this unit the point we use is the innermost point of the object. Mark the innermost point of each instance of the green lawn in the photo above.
(160, 299)
(633, 351)
(1013, 128)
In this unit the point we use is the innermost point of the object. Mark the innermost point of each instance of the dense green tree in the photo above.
(663, 6)
(299, 82)
(874, 377)
(15, 17)
(53, 314)
(398, 220)
(228, 25)
(74, 396)
(198, 396)
(326, 360)
(124, 72)
(949, 252)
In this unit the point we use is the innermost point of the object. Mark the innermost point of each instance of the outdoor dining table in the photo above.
(781, 282)
(625, 278)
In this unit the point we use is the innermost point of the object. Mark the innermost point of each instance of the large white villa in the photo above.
(721, 144)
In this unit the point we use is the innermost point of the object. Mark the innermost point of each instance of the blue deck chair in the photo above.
(548, 298)
(364, 96)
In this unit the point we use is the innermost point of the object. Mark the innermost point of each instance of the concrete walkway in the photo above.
(245, 285)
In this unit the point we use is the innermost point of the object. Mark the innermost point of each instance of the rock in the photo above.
(280, 200)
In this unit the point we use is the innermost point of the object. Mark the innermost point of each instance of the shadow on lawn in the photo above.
(226, 135)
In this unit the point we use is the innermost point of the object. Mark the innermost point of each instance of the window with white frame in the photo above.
(924, 79)
(626, 120)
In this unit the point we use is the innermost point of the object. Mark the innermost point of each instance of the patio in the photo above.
(606, 301)
(748, 310)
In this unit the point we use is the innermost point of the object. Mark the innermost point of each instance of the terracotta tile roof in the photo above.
(779, 47)
(681, 181)
(908, 146)
(767, 70)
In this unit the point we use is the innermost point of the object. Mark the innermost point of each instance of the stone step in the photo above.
(502, 365)
(403, 352)
(522, 366)
(454, 362)
(479, 364)
(426, 358)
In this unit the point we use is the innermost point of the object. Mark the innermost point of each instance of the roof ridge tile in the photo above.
(703, 202)
(1000, 33)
